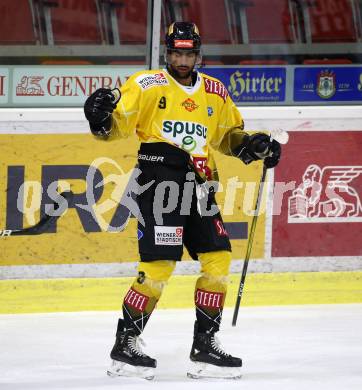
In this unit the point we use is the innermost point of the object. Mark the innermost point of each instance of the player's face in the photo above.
(182, 62)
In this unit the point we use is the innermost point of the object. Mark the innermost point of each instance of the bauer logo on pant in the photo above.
(327, 195)
(168, 235)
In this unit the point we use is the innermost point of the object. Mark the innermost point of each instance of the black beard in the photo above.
(175, 73)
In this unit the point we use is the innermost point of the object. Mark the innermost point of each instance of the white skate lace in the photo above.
(134, 344)
(215, 343)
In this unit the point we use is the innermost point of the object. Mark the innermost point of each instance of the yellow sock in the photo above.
(145, 292)
(211, 288)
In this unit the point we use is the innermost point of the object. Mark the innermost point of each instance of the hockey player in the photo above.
(179, 114)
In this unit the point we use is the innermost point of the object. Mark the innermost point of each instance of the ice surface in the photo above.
(290, 347)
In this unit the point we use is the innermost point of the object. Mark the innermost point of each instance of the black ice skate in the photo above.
(209, 360)
(128, 358)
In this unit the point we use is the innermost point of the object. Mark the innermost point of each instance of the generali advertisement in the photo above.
(99, 223)
(58, 86)
(318, 196)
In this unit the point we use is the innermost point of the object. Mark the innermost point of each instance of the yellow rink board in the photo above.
(59, 295)
(72, 244)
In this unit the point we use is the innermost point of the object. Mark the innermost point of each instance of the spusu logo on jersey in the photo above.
(190, 136)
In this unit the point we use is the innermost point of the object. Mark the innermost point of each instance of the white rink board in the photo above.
(296, 118)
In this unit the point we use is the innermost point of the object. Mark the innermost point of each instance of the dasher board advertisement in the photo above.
(95, 227)
(252, 84)
(51, 86)
(328, 84)
(318, 195)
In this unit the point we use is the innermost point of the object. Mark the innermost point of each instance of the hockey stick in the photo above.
(250, 244)
(40, 227)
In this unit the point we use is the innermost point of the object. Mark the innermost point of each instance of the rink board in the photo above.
(327, 166)
(80, 237)
(83, 294)
(60, 141)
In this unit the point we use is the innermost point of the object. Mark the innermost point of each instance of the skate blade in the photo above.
(199, 370)
(127, 370)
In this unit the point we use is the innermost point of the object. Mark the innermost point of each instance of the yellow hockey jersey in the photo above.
(159, 109)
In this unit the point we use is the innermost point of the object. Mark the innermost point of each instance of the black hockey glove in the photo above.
(274, 155)
(258, 146)
(98, 110)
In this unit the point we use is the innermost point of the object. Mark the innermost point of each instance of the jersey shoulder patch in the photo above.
(215, 86)
(149, 80)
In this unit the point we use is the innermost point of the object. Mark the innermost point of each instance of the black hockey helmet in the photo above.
(183, 36)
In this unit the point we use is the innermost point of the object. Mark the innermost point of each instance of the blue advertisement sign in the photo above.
(319, 84)
(252, 85)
